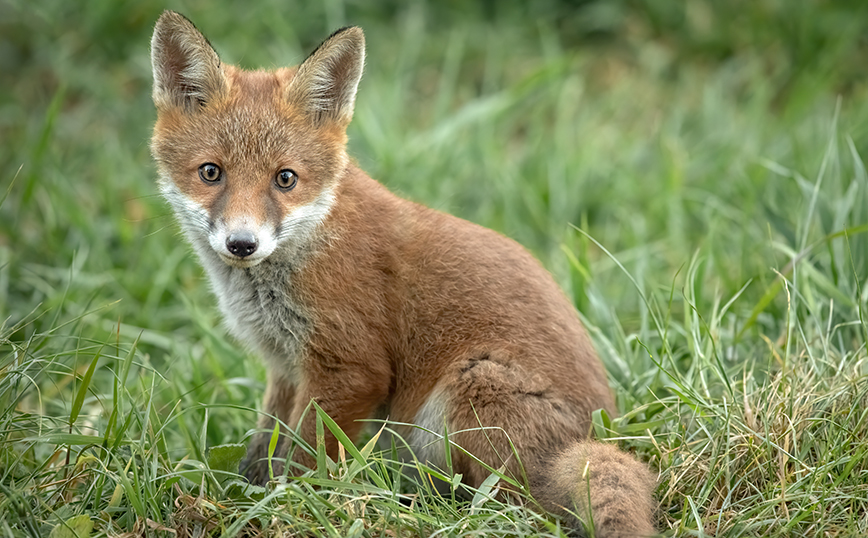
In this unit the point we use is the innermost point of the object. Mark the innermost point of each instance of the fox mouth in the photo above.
(239, 262)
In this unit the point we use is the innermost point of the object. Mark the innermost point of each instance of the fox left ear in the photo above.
(187, 71)
(326, 82)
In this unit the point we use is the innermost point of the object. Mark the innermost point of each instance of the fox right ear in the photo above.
(326, 82)
(187, 70)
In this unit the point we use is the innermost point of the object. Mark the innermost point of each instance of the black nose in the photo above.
(241, 244)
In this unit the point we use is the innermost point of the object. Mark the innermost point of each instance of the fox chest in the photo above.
(260, 310)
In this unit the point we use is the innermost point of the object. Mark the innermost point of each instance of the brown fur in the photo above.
(386, 304)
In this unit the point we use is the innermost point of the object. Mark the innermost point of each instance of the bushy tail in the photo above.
(602, 486)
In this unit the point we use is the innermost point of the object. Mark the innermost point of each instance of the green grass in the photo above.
(692, 174)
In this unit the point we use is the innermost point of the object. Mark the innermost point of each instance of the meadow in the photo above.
(691, 172)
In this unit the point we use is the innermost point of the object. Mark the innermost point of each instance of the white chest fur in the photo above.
(260, 310)
(257, 303)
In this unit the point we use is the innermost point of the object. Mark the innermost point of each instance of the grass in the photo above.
(692, 174)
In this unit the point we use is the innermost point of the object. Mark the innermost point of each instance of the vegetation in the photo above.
(691, 172)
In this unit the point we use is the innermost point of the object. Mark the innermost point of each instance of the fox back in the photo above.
(371, 305)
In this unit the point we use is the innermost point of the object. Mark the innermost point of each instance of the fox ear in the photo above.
(187, 71)
(326, 82)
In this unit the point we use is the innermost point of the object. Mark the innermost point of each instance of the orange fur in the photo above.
(362, 301)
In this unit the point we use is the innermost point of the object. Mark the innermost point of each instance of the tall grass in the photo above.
(692, 174)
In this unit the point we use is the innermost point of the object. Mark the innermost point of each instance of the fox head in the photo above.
(249, 160)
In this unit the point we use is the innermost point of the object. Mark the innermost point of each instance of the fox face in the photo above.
(249, 160)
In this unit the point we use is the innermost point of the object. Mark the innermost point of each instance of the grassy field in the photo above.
(691, 172)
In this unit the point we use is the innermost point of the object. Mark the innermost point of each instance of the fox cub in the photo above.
(372, 305)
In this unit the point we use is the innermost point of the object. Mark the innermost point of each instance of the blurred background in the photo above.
(646, 123)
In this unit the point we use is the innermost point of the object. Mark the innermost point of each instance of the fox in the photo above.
(371, 305)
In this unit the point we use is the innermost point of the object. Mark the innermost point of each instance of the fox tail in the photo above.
(592, 484)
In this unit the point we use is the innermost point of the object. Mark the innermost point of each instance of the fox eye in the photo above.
(286, 179)
(209, 172)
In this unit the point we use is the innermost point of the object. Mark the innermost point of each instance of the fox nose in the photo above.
(241, 244)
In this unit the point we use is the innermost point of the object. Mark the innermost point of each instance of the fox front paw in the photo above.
(255, 466)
